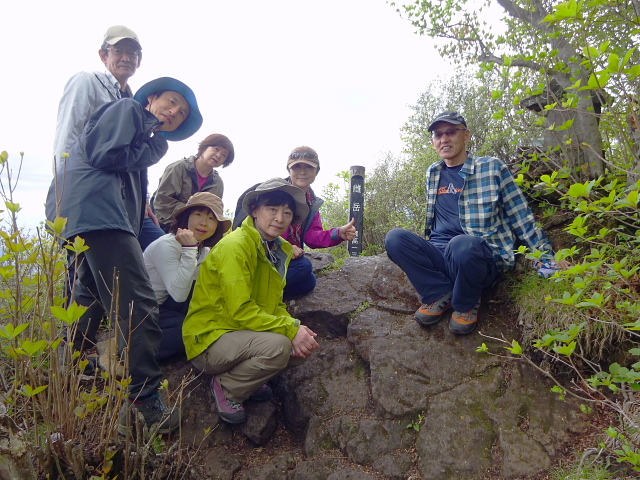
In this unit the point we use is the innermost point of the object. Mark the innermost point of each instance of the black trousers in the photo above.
(172, 315)
(112, 280)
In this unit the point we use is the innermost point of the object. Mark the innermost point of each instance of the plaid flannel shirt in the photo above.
(492, 207)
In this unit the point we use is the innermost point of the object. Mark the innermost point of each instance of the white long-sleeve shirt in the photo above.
(172, 268)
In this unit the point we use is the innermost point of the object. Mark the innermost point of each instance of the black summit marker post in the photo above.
(356, 208)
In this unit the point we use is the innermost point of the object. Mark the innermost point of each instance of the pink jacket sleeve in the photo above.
(317, 237)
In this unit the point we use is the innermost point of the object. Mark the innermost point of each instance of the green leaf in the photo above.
(591, 52)
(597, 80)
(31, 348)
(57, 226)
(566, 349)
(579, 190)
(11, 332)
(29, 391)
(515, 348)
(613, 63)
(70, 314)
(12, 207)
(78, 245)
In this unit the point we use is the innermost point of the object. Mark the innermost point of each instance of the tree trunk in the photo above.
(589, 138)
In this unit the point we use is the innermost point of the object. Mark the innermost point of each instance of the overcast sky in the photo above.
(337, 75)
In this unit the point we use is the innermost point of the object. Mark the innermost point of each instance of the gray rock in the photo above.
(278, 468)
(394, 465)
(319, 261)
(377, 373)
(261, 422)
(304, 389)
(350, 474)
(201, 427)
(365, 440)
(317, 440)
(315, 469)
(220, 465)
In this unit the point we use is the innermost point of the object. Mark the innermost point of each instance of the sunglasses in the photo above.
(307, 155)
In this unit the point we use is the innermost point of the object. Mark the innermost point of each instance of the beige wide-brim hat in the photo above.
(273, 184)
(213, 203)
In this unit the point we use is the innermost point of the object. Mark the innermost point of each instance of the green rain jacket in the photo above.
(238, 288)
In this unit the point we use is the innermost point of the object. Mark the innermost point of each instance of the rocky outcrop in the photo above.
(386, 398)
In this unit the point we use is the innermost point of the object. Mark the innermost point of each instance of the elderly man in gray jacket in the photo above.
(85, 92)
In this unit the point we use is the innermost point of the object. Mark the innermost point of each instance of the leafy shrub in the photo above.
(68, 424)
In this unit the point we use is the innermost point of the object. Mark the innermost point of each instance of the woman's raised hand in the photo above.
(185, 237)
(348, 231)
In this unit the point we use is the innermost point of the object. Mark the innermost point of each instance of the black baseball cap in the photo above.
(450, 117)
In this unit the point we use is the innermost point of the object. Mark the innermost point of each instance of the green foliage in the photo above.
(566, 60)
(61, 414)
(361, 308)
(547, 307)
(474, 99)
(580, 472)
(335, 209)
(395, 197)
(395, 190)
(416, 424)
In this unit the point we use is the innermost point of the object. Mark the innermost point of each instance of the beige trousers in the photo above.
(243, 360)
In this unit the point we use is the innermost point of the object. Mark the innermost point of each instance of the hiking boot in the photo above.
(463, 323)
(263, 394)
(432, 313)
(67, 357)
(154, 412)
(91, 355)
(228, 410)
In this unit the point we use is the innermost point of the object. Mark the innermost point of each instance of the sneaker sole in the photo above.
(462, 328)
(428, 320)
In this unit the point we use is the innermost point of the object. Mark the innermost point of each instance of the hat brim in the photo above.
(193, 122)
(302, 209)
(446, 120)
(113, 41)
(292, 162)
(224, 224)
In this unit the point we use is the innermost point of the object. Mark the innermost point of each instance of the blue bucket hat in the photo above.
(193, 121)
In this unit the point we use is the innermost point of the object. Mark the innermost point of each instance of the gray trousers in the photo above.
(243, 360)
(116, 256)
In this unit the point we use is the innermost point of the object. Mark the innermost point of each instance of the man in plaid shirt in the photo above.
(475, 211)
